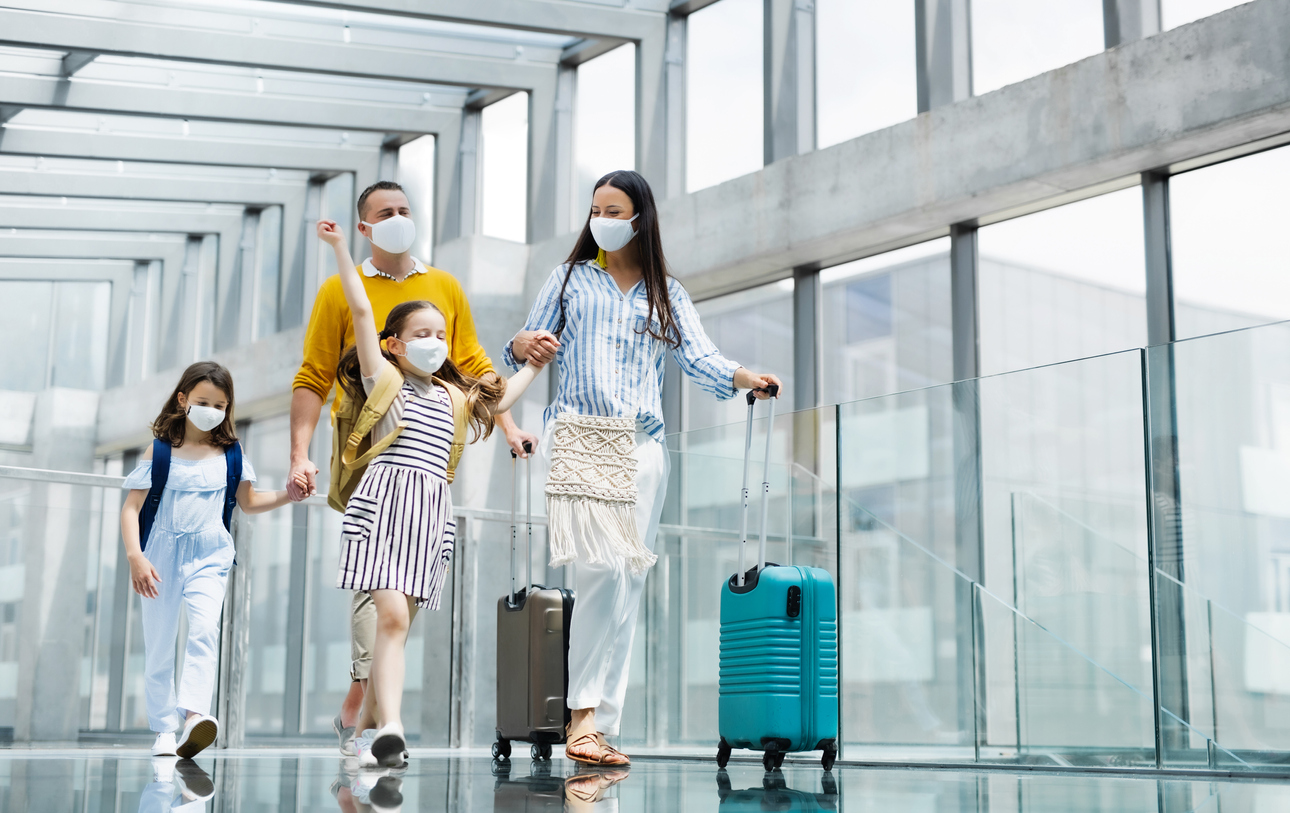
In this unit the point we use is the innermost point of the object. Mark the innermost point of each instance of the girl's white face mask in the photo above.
(205, 418)
(394, 234)
(611, 233)
(426, 355)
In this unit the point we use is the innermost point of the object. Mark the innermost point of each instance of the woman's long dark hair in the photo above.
(659, 322)
(482, 394)
(170, 425)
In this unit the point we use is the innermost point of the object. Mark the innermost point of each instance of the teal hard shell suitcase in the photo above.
(778, 677)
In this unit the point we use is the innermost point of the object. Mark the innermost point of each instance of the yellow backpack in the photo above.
(352, 447)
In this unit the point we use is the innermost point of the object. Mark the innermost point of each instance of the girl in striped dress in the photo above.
(398, 529)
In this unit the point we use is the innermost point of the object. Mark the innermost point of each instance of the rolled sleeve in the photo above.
(697, 356)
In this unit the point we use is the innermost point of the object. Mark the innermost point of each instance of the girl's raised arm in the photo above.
(366, 338)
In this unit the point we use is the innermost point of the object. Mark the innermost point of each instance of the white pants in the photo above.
(604, 614)
(194, 572)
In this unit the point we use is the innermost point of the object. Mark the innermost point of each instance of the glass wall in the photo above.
(887, 323)
(416, 176)
(604, 123)
(1230, 265)
(1064, 283)
(865, 75)
(1014, 40)
(62, 328)
(724, 91)
(504, 144)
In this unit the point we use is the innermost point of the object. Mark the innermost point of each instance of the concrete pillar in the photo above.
(943, 52)
(55, 552)
(564, 171)
(1129, 20)
(788, 62)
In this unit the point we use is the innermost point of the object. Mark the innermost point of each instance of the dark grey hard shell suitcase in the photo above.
(532, 650)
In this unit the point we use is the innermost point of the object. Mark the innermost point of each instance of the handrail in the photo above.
(71, 478)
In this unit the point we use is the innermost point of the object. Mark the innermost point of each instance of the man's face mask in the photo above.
(394, 234)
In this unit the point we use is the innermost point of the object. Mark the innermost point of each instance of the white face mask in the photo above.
(394, 234)
(205, 418)
(610, 233)
(426, 355)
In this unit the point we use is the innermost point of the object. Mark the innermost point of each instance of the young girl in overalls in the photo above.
(175, 524)
(398, 531)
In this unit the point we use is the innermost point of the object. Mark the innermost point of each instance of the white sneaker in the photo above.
(388, 746)
(164, 746)
(363, 748)
(163, 767)
(199, 733)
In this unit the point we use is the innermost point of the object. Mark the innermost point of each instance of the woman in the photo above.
(608, 316)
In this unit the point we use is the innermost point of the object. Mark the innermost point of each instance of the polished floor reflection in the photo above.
(261, 780)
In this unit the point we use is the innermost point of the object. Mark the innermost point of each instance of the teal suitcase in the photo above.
(778, 676)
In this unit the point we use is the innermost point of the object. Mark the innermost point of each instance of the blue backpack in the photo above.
(161, 470)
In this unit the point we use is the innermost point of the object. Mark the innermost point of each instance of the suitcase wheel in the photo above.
(540, 751)
(830, 756)
(502, 748)
(772, 759)
(723, 753)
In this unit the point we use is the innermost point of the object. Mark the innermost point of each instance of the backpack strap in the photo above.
(233, 457)
(379, 401)
(460, 424)
(160, 472)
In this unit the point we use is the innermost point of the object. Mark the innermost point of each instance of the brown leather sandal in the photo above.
(585, 739)
(608, 752)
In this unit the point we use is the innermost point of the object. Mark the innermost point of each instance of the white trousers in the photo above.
(194, 573)
(604, 614)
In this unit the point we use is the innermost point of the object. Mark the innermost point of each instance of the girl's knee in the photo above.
(393, 619)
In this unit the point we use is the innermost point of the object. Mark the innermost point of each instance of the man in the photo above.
(391, 276)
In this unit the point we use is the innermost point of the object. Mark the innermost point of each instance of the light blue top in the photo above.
(607, 366)
(193, 501)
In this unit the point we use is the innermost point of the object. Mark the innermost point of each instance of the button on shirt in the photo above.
(608, 365)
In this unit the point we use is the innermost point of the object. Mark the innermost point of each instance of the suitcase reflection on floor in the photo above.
(541, 791)
(775, 794)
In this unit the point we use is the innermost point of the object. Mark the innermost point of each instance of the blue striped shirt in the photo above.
(608, 366)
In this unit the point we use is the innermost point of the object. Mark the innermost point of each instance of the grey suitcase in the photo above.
(539, 791)
(532, 650)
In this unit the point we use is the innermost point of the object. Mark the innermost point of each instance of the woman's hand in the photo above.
(142, 576)
(535, 346)
(330, 233)
(758, 382)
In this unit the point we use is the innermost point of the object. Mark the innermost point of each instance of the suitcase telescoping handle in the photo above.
(528, 501)
(773, 390)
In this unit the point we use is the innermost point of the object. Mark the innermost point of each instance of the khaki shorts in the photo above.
(362, 634)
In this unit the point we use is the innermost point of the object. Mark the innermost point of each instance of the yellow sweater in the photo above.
(331, 328)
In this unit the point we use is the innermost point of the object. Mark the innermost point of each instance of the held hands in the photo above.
(537, 347)
(143, 575)
(330, 233)
(758, 382)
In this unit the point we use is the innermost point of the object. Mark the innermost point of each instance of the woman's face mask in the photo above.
(611, 233)
(205, 418)
(425, 355)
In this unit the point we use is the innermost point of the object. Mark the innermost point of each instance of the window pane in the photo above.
(81, 334)
(338, 200)
(26, 325)
(1014, 40)
(723, 105)
(270, 256)
(1228, 227)
(887, 323)
(416, 176)
(865, 67)
(753, 328)
(604, 123)
(1062, 284)
(1174, 13)
(505, 144)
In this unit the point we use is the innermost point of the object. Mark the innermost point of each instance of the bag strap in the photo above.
(460, 425)
(160, 473)
(233, 457)
(379, 401)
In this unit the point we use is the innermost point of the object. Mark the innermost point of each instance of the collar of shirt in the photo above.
(370, 270)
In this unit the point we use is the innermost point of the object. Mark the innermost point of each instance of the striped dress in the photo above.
(398, 531)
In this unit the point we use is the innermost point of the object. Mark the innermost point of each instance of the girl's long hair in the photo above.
(482, 394)
(170, 425)
(659, 322)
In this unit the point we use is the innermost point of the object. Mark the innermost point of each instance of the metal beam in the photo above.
(47, 213)
(686, 7)
(65, 32)
(192, 103)
(1159, 253)
(75, 60)
(547, 16)
(1129, 20)
(943, 49)
(788, 65)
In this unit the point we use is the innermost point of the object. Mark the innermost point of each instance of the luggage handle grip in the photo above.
(772, 389)
(528, 449)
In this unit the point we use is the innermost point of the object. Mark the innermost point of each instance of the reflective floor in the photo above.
(250, 781)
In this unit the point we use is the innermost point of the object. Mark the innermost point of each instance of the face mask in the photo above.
(426, 355)
(205, 418)
(611, 233)
(394, 234)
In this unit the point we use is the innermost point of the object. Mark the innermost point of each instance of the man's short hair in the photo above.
(362, 199)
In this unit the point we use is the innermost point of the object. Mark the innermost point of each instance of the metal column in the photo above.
(943, 52)
(788, 63)
(1129, 20)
